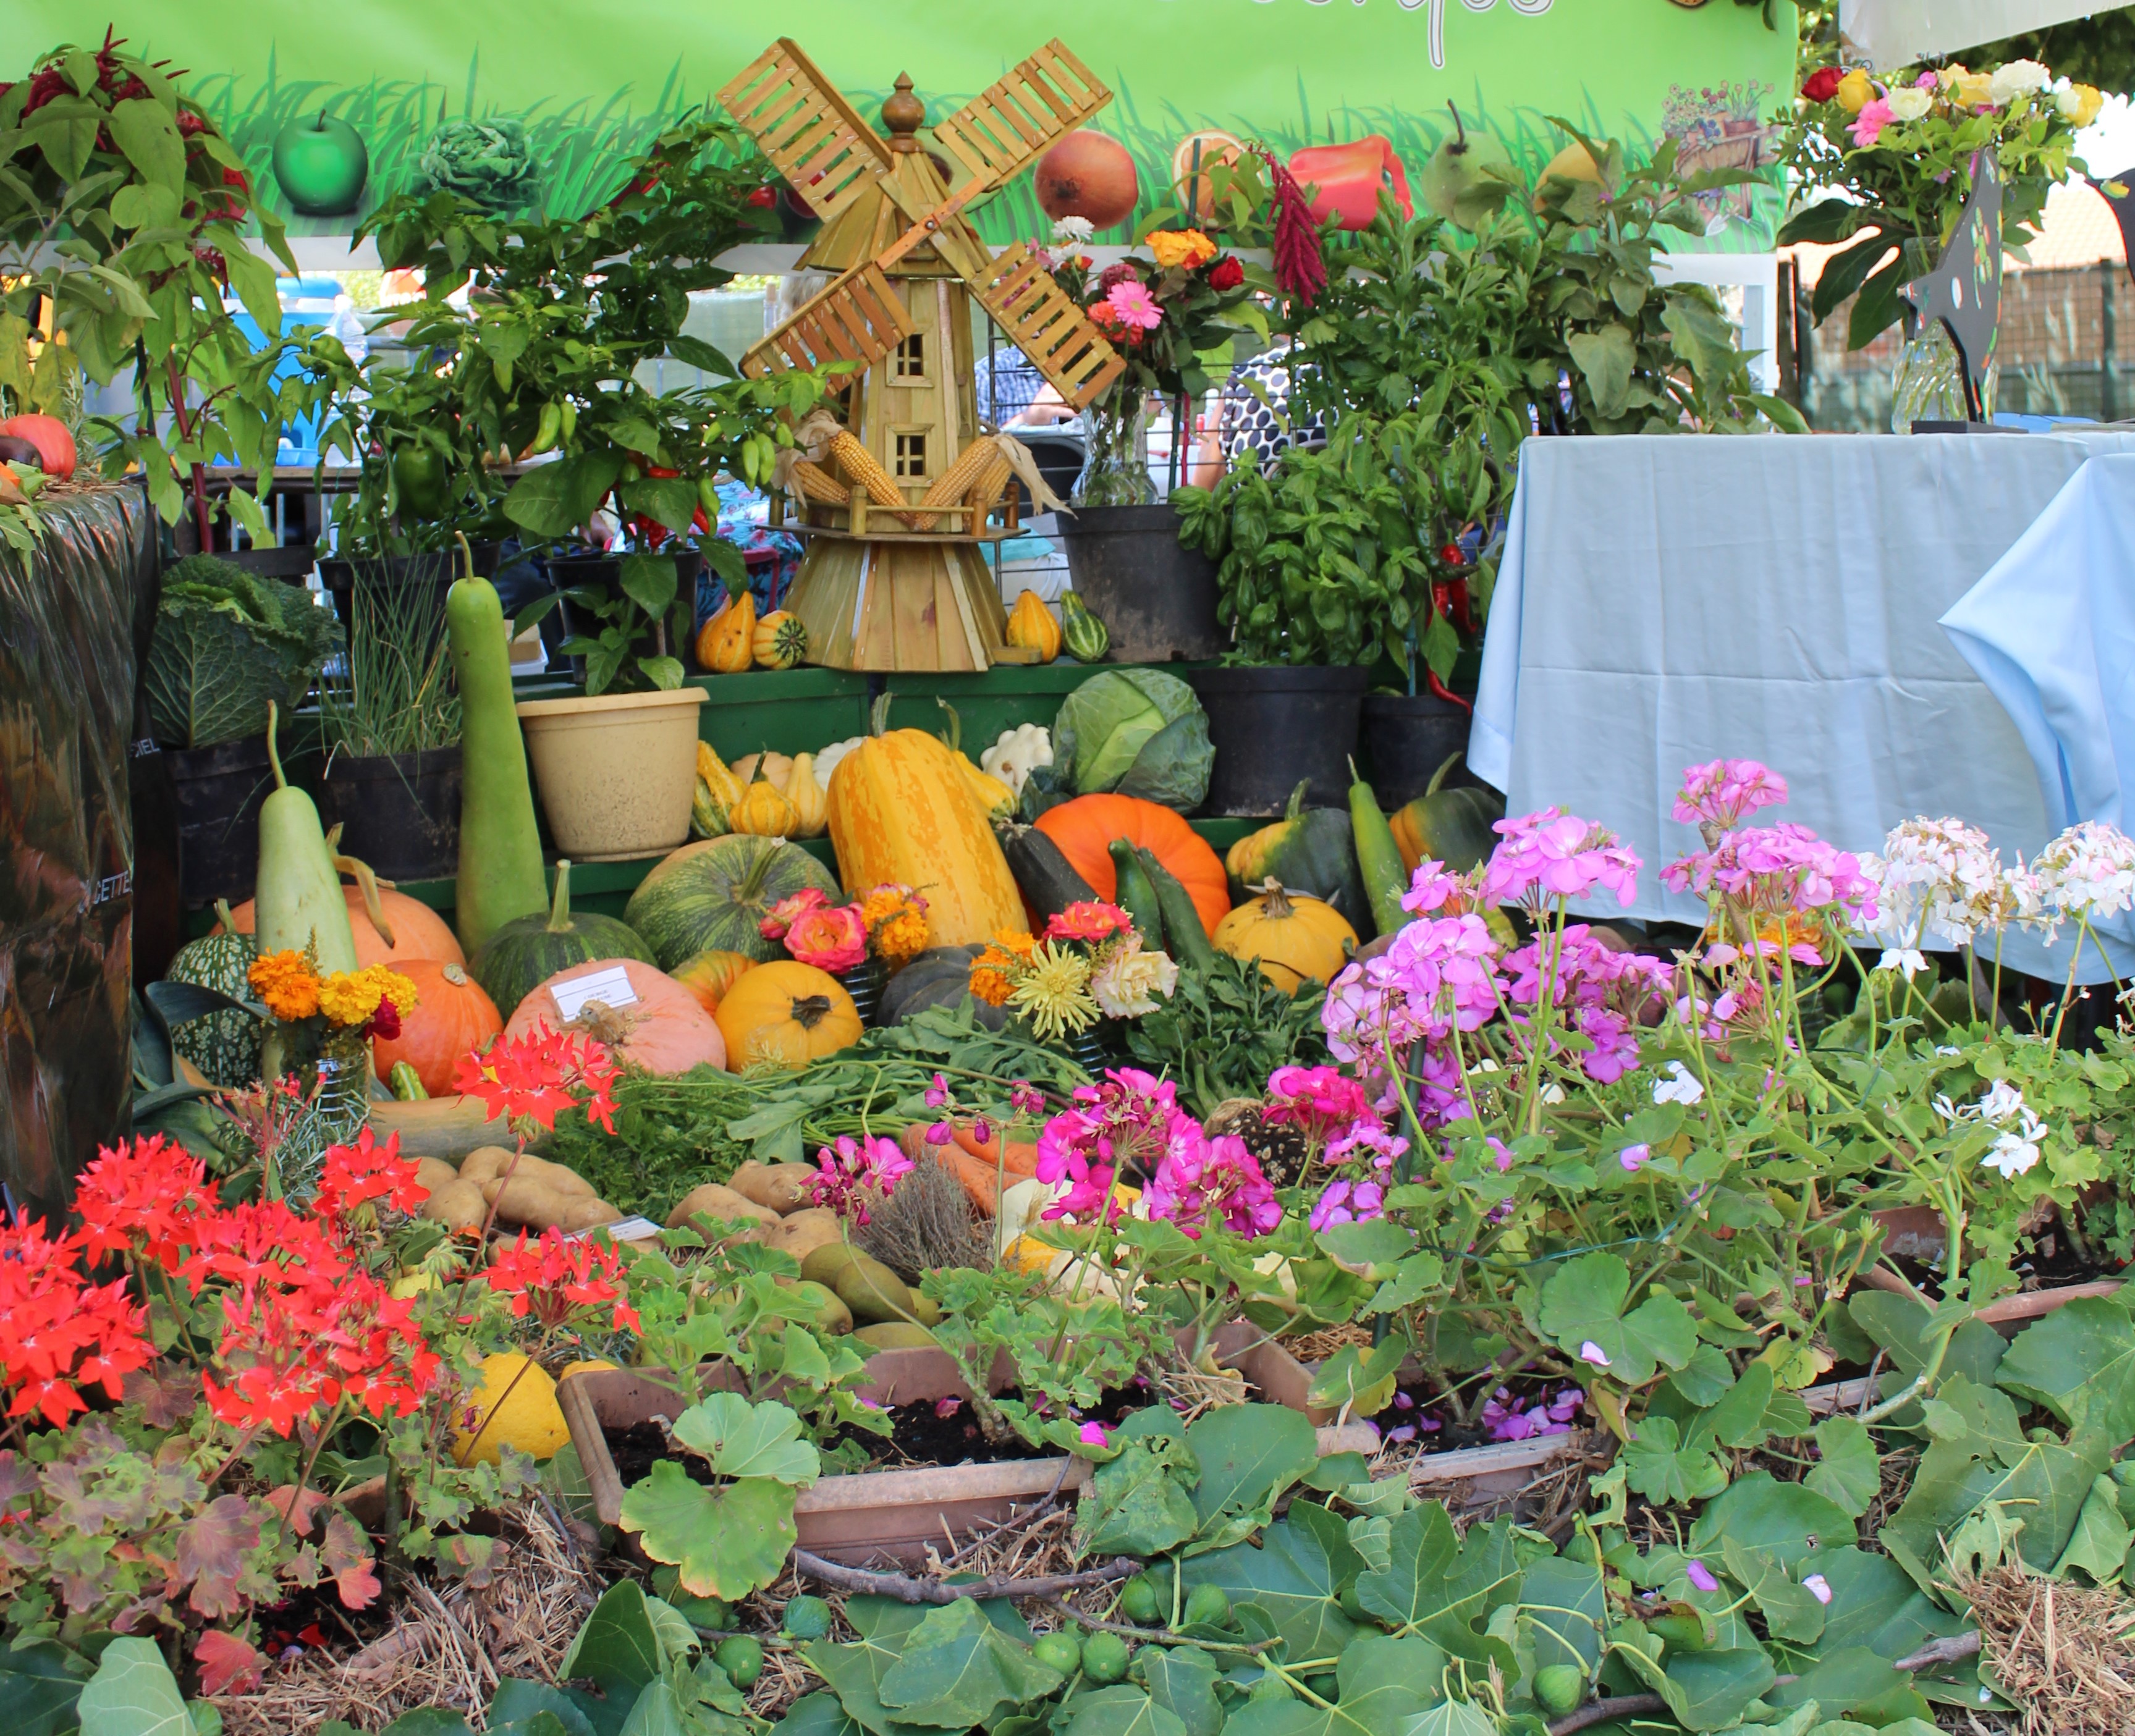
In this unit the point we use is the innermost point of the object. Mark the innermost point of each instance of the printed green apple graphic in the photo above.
(320, 164)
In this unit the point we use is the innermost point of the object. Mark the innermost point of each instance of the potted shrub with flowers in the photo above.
(1164, 314)
(1898, 156)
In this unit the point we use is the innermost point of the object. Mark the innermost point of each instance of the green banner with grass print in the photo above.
(398, 81)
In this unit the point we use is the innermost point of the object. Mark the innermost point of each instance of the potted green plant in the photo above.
(125, 209)
(390, 721)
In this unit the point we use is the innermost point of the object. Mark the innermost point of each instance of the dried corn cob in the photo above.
(953, 484)
(818, 483)
(858, 464)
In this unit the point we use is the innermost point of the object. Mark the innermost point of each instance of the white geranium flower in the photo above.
(2013, 1153)
(1128, 985)
(2086, 874)
(1904, 959)
(1908, 101)
(1683, 1087)
(1073, 230)
(2001, 1101)
(2018, 79)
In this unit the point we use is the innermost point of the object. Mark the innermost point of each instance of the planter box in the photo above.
(1917, 1232)
(868, 1514)
(784, 711)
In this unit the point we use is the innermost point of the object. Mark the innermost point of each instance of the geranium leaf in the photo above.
(132, 1694)
(727, 1541)
(1582, 1310)
(957, 1669)
(1848, 1472)
(1657, 1466)
(212, 1553)
(742, 1439)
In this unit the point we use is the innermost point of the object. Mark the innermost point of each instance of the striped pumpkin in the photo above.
(903, 809)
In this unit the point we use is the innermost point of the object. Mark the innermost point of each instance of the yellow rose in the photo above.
(1972, 89)
(1855, 90)
(2088, 100)
(1175, 248)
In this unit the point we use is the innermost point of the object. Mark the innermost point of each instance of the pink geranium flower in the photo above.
(1135, 307)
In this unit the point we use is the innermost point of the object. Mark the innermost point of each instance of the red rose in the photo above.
(1821, 84)
(1225, 273)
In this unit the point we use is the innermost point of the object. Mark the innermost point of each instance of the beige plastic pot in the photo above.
(616, 773)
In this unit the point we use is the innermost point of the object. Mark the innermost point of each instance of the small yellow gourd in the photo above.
(726, 646)
(1031, 626)
(776, 767)
(718, 790)
(764, 811)
(811, 806)
(780, 640)
(1291, 937)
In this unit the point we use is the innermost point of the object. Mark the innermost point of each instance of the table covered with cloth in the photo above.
(1669, 599)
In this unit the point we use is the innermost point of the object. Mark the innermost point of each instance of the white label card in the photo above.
(610, 987)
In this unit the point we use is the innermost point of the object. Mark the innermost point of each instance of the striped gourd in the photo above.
(903, 809)
(225, 1045)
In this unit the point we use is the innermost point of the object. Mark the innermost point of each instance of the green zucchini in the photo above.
(1378, 857)
(499, 867)
(1136, 895)
(1044, 875)
(1187, 941)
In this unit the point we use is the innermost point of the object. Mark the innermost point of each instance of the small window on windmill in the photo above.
(909, 453)
(910, 362)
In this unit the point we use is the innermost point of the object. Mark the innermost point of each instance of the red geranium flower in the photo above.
(147, 1197)
(538, 1076)
(554, 1276)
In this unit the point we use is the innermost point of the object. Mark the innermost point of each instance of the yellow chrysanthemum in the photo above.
(1053, 992)
(287, 983)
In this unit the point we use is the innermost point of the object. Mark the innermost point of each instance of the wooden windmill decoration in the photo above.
(899, 502)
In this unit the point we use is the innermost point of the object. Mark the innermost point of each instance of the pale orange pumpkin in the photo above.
(789, 1013)
(452, 1015)
(711, 975)
(664, 1030)
(417, 931)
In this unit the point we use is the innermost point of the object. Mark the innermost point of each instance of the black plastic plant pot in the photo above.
(432, 573)
(1406, 737)
(603, 572)
(219, 791)
(399, 812)
(1276, 727)
(1156, 596)
(292, 561)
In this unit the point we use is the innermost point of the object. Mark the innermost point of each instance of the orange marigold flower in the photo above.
(1013, 942)
(287, 982)
(989, 985)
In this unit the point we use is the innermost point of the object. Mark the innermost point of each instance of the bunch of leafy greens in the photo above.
(1136, 732)
(1225, 1029)
(489, 163)
(227, 644)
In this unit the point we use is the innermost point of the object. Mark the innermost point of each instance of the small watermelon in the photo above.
(224, 1045)
(714, 894)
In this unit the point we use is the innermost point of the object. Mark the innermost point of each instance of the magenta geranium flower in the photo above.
(1135, 307)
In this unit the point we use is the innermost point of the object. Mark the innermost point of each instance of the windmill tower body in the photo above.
(883, 586)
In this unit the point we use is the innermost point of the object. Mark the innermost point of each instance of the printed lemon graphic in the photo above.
(515, 1406)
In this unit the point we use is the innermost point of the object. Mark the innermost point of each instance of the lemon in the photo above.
(584, 1367)
(515, 1406)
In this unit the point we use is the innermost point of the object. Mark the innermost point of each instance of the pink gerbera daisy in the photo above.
(1135, 307)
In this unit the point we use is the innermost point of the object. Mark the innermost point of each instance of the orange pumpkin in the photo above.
(788, 1013)
(418, 932)
(1085, 828)
(664, 1030)
(452, 1015)
(711, 975)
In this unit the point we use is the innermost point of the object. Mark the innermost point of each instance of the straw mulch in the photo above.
(449, 1646)
(2064, 1652)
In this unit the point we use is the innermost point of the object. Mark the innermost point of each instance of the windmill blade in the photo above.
(858, 318)
(1061, 341)
(1010, 123)
(827, 154)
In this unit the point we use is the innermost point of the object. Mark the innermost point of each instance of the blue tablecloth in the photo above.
(1667, 599)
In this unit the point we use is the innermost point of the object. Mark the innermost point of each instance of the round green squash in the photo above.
(939, 977)
(225, 1045)
(715, 893)
(1311, 850)
(526, 951)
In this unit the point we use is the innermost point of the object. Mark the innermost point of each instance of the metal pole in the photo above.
(2108, 339)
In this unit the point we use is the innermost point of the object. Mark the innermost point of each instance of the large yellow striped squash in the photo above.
(903, 809)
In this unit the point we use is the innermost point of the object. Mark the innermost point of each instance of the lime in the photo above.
(1559, 1688)
(1139, 1601)
(807, 1618)
(1062, 1651)
(1105, 1658)
(1208, 1604)
(742, 1658)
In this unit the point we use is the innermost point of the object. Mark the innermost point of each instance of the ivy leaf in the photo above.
(2098, 1545)
(728, 1541)
(1561, 1608)
(1435, 1585)
(1385, 1682)
(742, 1439)
(1791, 1611)
(1452, 1718)
(1249, 1454)
(617, 1650)
(1706, 1690)
(39, 1690)
(212, 1549)
(957, 1669)
(2079, 1362)
(1657, 1466)
(1120, 1710)
(1135, 1505)
(817, 1715)
(1582, 1305)
(1848, 1472)
(132, 1694)
(1182, 1680)
(855, 1671)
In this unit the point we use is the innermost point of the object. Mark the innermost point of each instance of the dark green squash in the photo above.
(1136, 895)
(526, 951)
(1046, 878)
(1184, 937)
(939, 977)
(1310, 850)
(1451, 826)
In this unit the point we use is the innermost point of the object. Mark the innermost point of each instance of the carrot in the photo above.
(975, 1175)
(1020, 1160)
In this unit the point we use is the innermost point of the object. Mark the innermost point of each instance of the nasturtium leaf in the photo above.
(727, 1541)
(957, 1669)
(1582, 1311)
(1657, 1466)
(1248, 1455)
(1759, 1511)
(2079, 1362)
(1182, 1680)
(1119, 1710)
(1848, 1471)
(1706, 1690)
(1561, 1608)
(132, 1694)
(1289, 1577)
(2098, 1545)
(1791, 1611)
(745, 1440)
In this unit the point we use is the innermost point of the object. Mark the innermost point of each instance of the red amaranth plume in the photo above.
(1300, 269)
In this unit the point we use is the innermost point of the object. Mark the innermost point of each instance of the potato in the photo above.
(588, 1214)
(492, 1161)
(715, 1200)
(485, 1163)
(804, 1231)
(780, 1188)
(458, 1205)
(536, 1205)
(434, 1173)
